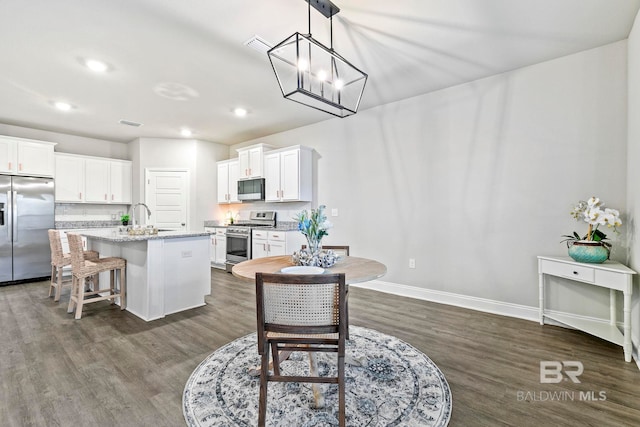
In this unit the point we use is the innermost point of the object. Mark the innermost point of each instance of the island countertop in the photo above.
(113, 235)
(166, 272)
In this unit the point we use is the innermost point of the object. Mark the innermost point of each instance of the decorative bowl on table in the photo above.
(324, 259)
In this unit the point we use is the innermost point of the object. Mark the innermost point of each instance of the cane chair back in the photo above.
(341, 251)
(300, 313)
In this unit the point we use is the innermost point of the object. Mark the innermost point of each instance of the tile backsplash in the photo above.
(284, 211)
(89, 212)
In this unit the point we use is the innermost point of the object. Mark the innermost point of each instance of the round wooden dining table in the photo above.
(356, 269)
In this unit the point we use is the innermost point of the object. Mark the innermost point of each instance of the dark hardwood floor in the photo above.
(112, 369)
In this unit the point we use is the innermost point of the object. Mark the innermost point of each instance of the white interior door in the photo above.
(166, 194)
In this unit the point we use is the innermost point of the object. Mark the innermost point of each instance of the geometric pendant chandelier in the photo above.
(315, 75)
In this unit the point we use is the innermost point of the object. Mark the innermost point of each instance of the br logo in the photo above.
(551, 371)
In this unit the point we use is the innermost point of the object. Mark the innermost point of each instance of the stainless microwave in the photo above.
(251, 189)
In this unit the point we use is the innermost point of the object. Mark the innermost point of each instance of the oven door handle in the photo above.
(245, 236)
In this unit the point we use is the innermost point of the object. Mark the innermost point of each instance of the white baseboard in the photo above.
(475, 303)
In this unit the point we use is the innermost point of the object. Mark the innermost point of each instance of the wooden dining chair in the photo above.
(82, 268)
(59, 260)
(301, 313)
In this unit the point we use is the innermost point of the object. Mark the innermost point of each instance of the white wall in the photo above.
(477, 180)
(72, 144)
(199, 157)
(633, 172)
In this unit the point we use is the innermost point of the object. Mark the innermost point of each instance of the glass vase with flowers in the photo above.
(314, 227)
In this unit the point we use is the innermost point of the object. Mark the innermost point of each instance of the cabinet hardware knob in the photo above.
(575, 272)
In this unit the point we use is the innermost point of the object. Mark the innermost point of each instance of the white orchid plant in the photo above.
(595, 214)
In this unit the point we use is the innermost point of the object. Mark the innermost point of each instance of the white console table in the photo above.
(611, 275)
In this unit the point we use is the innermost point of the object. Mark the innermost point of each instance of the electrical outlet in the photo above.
(334, 212)
(412, 263)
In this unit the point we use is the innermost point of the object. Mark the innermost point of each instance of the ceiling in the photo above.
(175, 64)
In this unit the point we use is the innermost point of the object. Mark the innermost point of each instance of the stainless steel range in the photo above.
(239, 236)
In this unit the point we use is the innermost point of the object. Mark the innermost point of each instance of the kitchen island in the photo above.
(167, 272)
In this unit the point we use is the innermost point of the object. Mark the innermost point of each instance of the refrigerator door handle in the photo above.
(14, 220)
(8, 211)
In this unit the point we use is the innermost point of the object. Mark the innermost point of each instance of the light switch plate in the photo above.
(334, 212)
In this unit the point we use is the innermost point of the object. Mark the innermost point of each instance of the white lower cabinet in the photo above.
(273, 243)
(218, 250)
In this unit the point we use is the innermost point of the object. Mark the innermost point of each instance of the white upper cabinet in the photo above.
(69, 182)
(83, 179)
(120, 182)
(251, 159)
(288, 174)
(26, 157)
(8, 156)
(96, 181)
(228, 181)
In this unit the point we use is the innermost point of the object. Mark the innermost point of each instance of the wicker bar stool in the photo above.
(82, 268)
(59, 260)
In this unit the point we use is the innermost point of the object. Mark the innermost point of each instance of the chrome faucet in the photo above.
(133, 213)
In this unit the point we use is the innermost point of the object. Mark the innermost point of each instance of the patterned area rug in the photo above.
(389, 383)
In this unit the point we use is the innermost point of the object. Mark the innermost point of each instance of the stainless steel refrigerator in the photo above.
(26, 213)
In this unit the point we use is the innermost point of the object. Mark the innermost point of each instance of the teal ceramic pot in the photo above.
(588, 251)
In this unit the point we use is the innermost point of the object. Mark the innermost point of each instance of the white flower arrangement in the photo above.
(595, 214)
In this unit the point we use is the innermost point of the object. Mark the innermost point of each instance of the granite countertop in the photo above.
(280, 225)
(62, 225)
(115, 236)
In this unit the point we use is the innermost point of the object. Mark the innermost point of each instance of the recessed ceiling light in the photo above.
(95, 65)
(240, 112)
(62, 106)
(186, 132)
